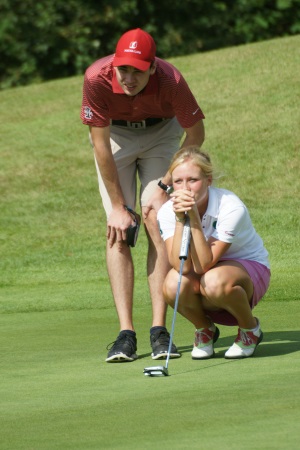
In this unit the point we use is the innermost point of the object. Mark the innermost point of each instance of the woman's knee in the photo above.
(170, 286)
(215, 284)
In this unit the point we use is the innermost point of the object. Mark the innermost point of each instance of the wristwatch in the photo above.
(165, 187)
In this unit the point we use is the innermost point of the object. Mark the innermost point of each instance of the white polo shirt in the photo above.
(226, 219)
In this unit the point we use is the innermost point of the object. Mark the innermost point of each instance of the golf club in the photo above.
(162, 371)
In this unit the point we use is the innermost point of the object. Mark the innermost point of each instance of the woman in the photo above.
(227, 269)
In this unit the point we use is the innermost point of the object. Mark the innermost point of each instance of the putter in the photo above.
(162, 371)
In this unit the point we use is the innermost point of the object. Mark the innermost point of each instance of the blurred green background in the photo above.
(55, 38)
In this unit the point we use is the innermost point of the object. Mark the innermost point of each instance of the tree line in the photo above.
(49, 39)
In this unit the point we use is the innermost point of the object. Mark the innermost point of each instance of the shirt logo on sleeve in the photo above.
(88, 113)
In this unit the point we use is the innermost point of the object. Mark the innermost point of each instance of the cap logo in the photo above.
(135, 48)
(133, 45)
(132, 48)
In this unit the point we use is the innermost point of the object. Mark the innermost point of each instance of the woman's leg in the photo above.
(228, 286)
(189, 304)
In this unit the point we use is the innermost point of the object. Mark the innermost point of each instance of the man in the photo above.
(137, 107)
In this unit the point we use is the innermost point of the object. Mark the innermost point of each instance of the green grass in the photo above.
(57, 314)
(56, 391)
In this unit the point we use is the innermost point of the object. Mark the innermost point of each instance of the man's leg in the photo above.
(157, 269)
(159, 145)
(121, 276)
(121, 273)
(120, 265)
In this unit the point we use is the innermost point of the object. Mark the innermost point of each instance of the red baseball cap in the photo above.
(135, 48)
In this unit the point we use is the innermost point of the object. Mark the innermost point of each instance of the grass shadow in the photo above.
(274, 343)
(279, 343)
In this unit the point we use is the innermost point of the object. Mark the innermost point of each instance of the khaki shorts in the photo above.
(145, 153)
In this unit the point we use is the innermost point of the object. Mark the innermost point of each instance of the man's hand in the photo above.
(118, 222)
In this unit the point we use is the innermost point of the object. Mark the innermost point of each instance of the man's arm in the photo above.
(194, 135)
(119, 219)
(103, 153)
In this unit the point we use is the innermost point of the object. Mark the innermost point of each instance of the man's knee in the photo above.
(152, 230)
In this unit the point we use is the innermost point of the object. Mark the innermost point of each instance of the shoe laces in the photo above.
(120, 341)
(248, 338)
(204, 336)
(161, 337)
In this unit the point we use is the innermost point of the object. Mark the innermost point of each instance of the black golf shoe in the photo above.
(123, 348)
(159, 340)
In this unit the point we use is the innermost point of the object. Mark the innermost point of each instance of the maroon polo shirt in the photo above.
(166, 95)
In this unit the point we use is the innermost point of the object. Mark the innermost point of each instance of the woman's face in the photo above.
(189, 176)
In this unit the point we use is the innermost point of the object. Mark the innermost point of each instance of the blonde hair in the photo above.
(197, 156)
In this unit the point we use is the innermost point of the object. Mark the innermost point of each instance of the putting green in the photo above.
(57, 391)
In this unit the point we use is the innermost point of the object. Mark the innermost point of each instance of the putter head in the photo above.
(156, 371)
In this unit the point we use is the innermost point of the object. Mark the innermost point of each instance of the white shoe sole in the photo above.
(203, 353)
(164, 355)
(121, 357)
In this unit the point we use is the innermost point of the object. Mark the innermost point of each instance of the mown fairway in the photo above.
(57, 314)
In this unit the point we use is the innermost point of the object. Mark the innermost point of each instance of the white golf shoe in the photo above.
(204, 342)
(245, 343)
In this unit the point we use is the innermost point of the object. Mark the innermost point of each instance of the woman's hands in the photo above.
(183, 201)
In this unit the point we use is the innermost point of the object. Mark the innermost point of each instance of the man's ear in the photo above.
(153, 68)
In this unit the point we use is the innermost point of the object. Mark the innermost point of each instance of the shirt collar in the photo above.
(150, 88)
(213, 205)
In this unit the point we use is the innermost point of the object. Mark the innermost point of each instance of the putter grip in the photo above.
(186, 234)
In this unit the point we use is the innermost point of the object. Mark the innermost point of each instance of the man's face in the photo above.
(133, 80)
